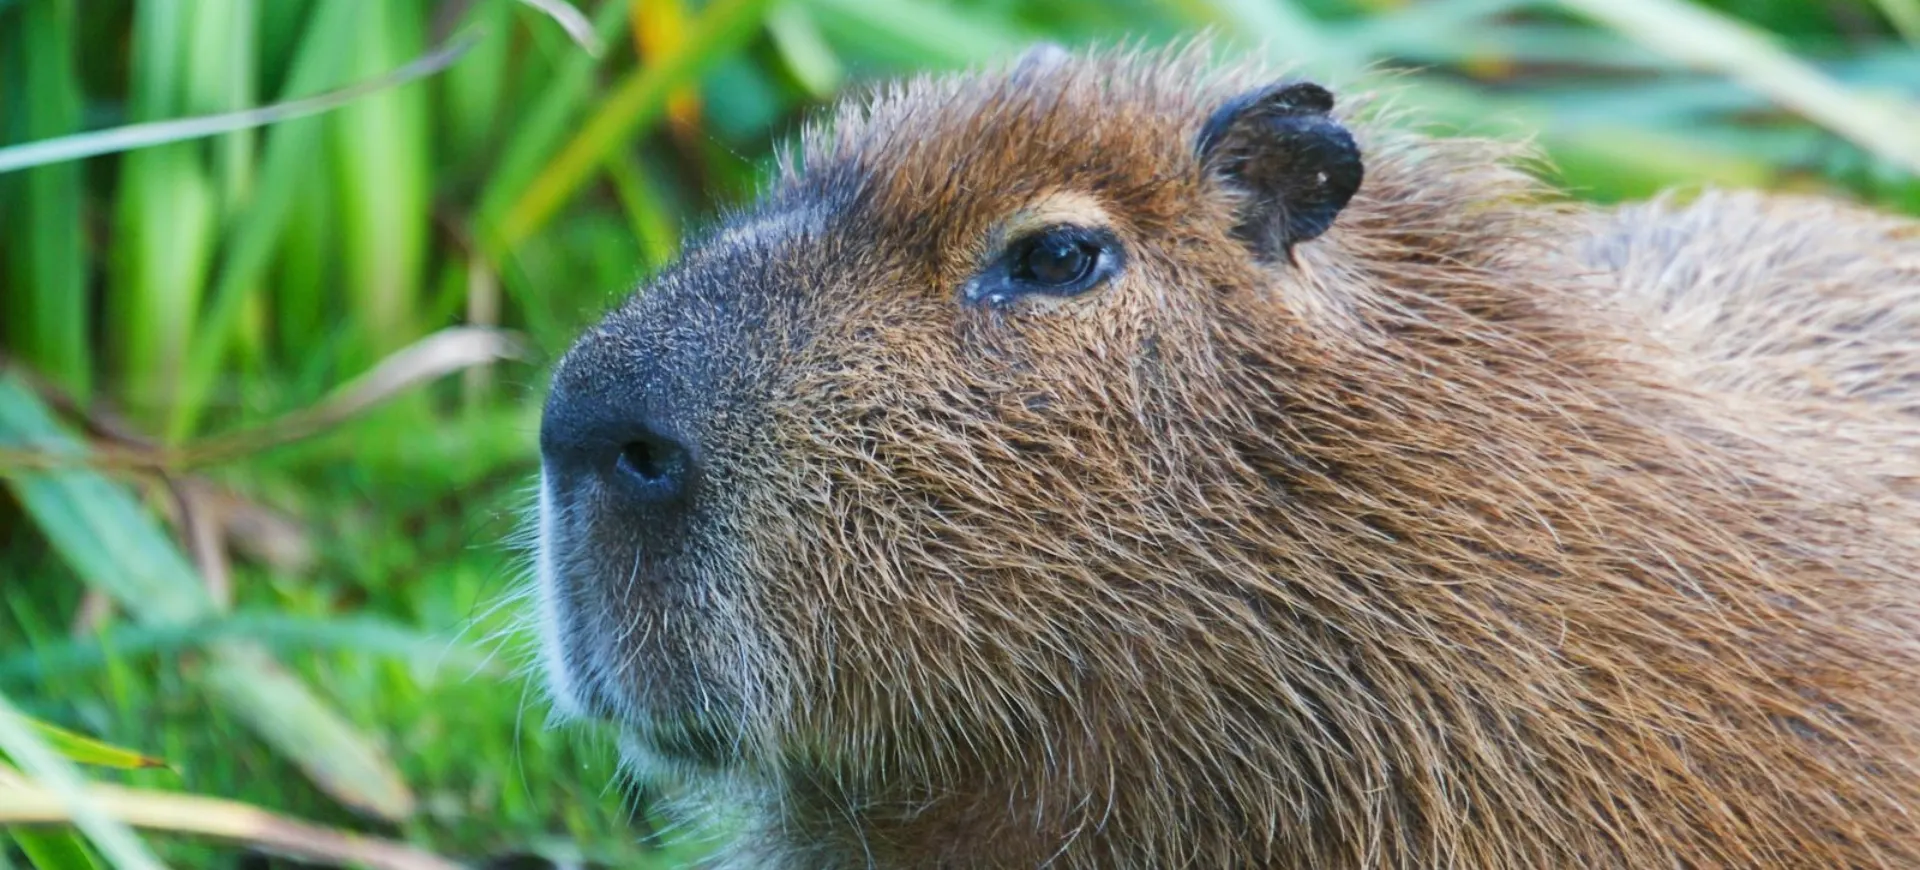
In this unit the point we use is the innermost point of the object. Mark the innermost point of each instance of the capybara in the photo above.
(1123, 460)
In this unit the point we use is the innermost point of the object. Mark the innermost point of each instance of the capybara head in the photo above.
(1123, 462)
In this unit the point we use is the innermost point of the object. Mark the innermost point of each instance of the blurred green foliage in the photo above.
(345, 652)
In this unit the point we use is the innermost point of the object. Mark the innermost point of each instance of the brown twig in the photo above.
(444, 352)
(26, 804)
(125, 450)
(96, 421)
(204, 533)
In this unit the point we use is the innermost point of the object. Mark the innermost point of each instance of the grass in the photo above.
(256, 529)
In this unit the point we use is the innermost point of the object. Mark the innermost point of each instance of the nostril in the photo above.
(657, 465)
(643, 459)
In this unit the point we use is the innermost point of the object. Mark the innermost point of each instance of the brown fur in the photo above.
(1488, 532)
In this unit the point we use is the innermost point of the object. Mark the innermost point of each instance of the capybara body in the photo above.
(1116, 461)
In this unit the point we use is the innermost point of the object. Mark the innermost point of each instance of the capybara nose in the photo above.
(653, 466)
(595, 433)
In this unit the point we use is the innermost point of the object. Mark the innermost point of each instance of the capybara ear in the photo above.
(1295, 166)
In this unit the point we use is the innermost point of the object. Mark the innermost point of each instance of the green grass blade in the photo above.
(137, 136)
(115, 547)
(359, 635)
(279, 707)
(167, 224)
(1618, 164)
(219, 78)
(303, 273)
(1592, 156)
(46, 317)
(54, 850)
(382, 163)
(1904, 15)
(159, 40)
(546, 123)
(82, 749)
(286, 171)
(1279, 26)
(1679, 102)
(1698, 36)
(638, 101)
(95, 524)
(474, 99)
(917, 32)
(165, 218)
(806, 52)
(1424, 24)
(24, 747)
(578, 28)
(1521, 45)
(652, 225)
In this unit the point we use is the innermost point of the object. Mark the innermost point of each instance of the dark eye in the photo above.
(1058, 261)
(1055, 260)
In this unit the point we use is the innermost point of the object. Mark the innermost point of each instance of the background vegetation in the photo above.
(269, 396)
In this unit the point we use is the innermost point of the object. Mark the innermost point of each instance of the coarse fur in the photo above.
(1483, 531)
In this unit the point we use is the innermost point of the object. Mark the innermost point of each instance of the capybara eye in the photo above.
(1055, 260)
(1059, 261)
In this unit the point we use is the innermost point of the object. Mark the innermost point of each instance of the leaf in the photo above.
(638, 101)
(82, 749)
(362, 635)
(925, 34)
(383, 207)
(55, 850)
(95, 524)
(1679, 101)
(543, 125)
(449, 350)
(132, 136)
(117, 548)
(286, 168)
(45, 313)
(1281, 26)
(220, 77)
(279, 707)
(806, 53)
(647, 217)
(437, 355)
(1698, 36)
(578, 28)
(1427, 26)
(63, 788)
(1905, 17)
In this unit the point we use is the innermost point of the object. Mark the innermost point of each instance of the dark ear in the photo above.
(1295, 164)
